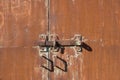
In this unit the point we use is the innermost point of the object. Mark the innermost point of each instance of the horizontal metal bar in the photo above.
(58, 43)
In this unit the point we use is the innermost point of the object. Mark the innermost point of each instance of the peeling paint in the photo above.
(73, 1)
(58, 72)
(80, 58)
(70, 60)
(76, 54)
(44, 74)
(37, 69)
(101, 42)
(17, 5)
(41, 53)
(81, 66)
(46, 3)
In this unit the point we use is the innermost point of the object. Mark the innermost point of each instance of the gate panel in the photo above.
(98, 22)
(21, 22)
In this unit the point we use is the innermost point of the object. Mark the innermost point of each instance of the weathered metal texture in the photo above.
(18, 63)
(98, 21)
(21, 22)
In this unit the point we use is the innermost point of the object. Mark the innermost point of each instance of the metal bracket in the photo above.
(51, 63)
(65, 64)
(53, 43)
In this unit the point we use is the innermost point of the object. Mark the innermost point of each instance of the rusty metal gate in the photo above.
(59, 39)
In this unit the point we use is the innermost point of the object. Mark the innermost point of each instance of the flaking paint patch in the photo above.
(37, 69)
(75, 75)
(46, 3)
(76, 54)
(73, 1)
(44, 76)
(81, 66)
(70, 60)
(80, 59)
(17, 5)
(39, 51)
(101, 42)
(58, 72)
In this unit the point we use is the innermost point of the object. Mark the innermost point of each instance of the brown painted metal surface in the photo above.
(99, 22)
(21, 22)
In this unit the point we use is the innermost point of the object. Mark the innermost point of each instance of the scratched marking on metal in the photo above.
(19, 7)
(5, 35)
